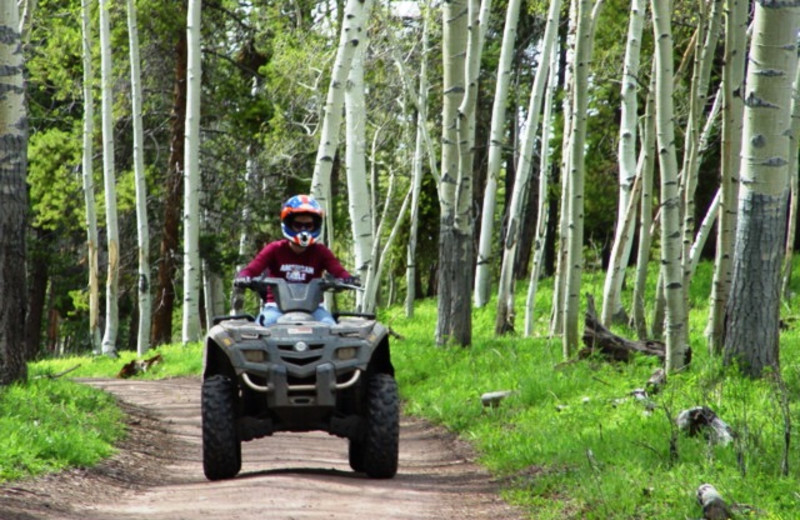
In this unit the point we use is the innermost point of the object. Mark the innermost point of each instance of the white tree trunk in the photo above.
(752, 327)
(793, 188)
(453, 319)
(497, 139)
(559, 282)
(110, 184)
(143, 233)
(627, 162)
(88, 182)
(677, 331)
(13, 198)
(358, 194)
(416, 174)
(351, 36)
(190, 330)
(704, 55)
(505, 294)
(732, 109)
(645, 166)
(544, 183)
(572, 288)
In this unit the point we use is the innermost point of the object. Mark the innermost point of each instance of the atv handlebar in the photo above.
(327, 283)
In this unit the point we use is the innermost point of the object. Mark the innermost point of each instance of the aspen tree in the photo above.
(704, 54)
(559, 282)
(627, 161)
(752, 327)
(13, 198)
(142, 229)
(645, 169)
(190, 330)
(732, 109)
(360, 202)
(109, 345)
(505, 296)
(544, 187)
(574, 265)
(87, 175)
(351, 36)
(793, 189)
(497, 140)
(416, 173)
(455, 238)
(676, 317)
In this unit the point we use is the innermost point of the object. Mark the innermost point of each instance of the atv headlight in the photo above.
(345, 353)
(254, 356)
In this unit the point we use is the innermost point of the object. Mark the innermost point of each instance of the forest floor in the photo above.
(157, 473)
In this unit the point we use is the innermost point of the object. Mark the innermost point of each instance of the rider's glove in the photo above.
(242, 281)
(352, 280)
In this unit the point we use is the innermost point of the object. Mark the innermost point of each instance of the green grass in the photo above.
(49, 425)
(568, 443)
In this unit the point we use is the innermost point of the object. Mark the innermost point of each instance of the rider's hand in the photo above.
(242, 281)
(352, 280)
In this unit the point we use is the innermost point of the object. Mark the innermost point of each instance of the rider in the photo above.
(298, 258)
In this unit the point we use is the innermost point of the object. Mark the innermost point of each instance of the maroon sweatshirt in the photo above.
(278, 260)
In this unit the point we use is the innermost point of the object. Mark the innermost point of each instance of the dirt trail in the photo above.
(158, 474)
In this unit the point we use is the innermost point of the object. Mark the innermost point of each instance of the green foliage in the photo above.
(49, 425)
(56, 193)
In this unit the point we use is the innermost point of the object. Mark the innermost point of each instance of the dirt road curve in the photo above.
(158, 474)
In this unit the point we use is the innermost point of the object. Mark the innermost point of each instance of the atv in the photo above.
(299, 375)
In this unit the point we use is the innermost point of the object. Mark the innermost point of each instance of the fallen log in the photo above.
(137, 366)
(598, 339)
(701, 419)
(714, 507)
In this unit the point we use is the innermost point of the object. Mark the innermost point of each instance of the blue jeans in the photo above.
(270, 313)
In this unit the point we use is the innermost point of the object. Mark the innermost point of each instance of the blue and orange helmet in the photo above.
(301, 205)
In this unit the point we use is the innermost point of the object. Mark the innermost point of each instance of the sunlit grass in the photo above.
(50, 425)
(570, 442)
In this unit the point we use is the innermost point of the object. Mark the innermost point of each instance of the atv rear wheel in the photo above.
(380, 444)
(222, 448)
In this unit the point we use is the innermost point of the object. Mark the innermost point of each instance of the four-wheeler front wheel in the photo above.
(222, 448)
(380, 445)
